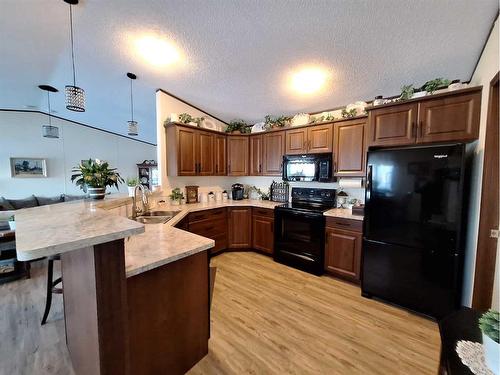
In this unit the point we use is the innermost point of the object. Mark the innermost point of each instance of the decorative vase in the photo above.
(96, 193)
(491, 354)
(12, 225)
(131, 190)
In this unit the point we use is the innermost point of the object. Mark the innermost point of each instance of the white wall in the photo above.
(21, 136)
(165, 105)
(487, 68)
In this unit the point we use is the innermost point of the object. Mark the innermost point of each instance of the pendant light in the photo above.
(75, 96)
(49, 131)
(132, 125)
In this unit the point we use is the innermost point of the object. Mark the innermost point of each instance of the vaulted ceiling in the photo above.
(235, 55)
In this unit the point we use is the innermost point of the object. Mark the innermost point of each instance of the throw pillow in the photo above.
(23, 203)
(43, 201)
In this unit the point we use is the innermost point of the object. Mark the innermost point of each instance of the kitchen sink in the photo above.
(160, 213)
(156, 217)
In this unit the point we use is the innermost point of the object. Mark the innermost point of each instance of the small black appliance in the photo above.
(316, 167)
(237, 191)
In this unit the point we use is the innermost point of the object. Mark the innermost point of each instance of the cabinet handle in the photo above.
(413, 130)
(305, 145)
(334, 166)
(216, 168)
(229, 168)
(420, 129)
(343, 224)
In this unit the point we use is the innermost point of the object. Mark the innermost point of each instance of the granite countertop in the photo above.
(344, 213)
(59, 228)
(63, 227)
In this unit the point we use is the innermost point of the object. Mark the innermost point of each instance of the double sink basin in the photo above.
(156, 217)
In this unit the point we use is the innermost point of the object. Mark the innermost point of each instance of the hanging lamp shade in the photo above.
(75, 96)
(133, 127)
(49, 131)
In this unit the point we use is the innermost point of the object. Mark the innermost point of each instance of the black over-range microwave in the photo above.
(317, 167)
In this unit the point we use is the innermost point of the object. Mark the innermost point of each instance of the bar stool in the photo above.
(51, 286)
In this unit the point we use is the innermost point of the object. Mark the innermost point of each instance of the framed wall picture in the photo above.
(28, 167)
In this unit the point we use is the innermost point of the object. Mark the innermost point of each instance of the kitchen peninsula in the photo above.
(136, 299)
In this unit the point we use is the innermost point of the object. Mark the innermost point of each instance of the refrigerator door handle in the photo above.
(369, 182)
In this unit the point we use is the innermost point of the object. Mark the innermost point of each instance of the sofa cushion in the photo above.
(23, 203)
(43, 201)
(70, 198)
(5, 205)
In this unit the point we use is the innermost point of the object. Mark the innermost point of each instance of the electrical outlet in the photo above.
(494, 233)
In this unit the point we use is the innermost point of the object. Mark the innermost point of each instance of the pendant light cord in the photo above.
(131, 99)
(48, 105)
(72, 45)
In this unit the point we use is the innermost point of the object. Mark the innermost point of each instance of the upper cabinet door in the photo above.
(220, 155)
(186, 152)
(237, 156)
(256, 155)
(452, 118)
(393, 126)
(349, 148)
(272, 156)
(296, 141)
(205, 158)
(319, 139)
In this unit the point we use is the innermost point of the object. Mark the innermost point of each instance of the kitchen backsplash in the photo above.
(220, 183)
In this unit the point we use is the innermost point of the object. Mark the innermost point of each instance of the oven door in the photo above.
(299, 239)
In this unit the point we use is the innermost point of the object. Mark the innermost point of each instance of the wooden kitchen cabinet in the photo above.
(263, 230)
(237, 155)
(192, 152)
(273, 149)
(349, 149)
(211, 224)
(309, 140)
(220, 155)
(255, 155)
(449, 118)
(392, 126)
(319, 139)
(239, 227)
(343, 240)
(446, 117)
(296, 141)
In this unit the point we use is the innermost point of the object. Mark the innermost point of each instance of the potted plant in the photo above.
(407, 92)
(236, 126)
(489, 324)
(186, 118)
(93, 176)
(435, 84)
(176, 196)
(12, 222)
(132, 182)
(276, 122)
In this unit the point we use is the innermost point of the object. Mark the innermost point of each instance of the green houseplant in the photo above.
(276, 122)
(186, 118)
(131, 182)
(93, 176)
(176, 196)
(435, 84)
(236, 126)
(489, 323)
(407, 92)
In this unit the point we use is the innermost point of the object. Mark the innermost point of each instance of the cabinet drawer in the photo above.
(214, 214)
(209, 228)
(341, 223)
(266, 212)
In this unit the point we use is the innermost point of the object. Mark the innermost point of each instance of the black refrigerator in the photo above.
(413, 245)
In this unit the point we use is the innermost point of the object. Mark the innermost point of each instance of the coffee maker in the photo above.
(237, 191)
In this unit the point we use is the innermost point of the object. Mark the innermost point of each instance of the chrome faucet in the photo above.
(145, 201)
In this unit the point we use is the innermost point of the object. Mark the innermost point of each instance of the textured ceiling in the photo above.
(237, 54)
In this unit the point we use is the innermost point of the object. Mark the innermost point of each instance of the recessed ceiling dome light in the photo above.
(309, 80)
(157, 51)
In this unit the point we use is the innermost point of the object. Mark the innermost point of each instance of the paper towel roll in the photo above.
(352, 183)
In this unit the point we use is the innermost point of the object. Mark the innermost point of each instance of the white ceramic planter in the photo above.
(419, 94)
(131, 190)
(491, 354)
(12, 225)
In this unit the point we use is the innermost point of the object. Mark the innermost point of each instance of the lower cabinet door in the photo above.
(239, 228)
(343, 253)
(263, 234)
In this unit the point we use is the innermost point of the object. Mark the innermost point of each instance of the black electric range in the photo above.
(299, 236)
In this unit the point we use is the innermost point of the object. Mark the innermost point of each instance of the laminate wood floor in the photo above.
(266, 319)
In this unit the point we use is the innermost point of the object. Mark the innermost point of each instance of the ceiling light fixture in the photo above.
(75, 96)
(309, 80)
(157, 51)
(133, 128)
(49, 131)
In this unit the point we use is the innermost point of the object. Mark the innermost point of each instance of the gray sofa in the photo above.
(34, 201)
